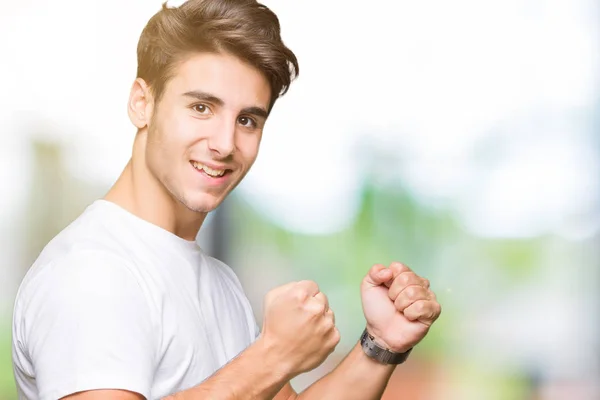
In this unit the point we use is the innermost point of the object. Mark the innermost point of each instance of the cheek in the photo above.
(171, 136)
(248, 146)
(162, 152)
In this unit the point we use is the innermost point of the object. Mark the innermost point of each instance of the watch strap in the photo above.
(378, 353)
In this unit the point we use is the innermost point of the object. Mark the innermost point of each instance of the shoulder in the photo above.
(78, 270)
(92, 252)
(84, 285)
(98, 228)
(85, 315)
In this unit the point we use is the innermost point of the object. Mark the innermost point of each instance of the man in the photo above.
(123, 304)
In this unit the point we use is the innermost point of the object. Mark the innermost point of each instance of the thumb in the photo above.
(378, 275)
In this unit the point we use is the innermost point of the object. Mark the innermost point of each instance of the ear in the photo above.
(141, 104)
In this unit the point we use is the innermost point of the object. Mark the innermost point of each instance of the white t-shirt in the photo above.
(115, 302)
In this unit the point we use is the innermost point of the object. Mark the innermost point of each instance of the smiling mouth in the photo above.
(213, 173)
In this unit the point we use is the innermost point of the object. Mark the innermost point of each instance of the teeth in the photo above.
(212, 172)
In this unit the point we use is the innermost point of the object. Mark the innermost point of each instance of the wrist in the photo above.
(377, 338)
(273, 358)
(379, 353)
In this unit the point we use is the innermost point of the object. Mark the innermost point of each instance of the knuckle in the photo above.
(432, 314)
(405, 278)
(398, 264)
(336, 335)
(411, 292)
(331, 316)
(320, 309)
(315, 307)
(298, 295)
(302, 283)
(285, 288)
(321, 297)
(312, 285)
(329, 326)
(375, 267)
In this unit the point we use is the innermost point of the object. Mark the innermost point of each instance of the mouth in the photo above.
(210, 172)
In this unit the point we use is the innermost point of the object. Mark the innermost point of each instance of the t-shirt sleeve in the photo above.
(88, 325)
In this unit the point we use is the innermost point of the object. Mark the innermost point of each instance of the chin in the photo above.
(202, 204)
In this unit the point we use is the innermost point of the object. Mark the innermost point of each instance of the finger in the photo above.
(320, 297)
(410, 295)
(398, 268)
(377, 275)
(426, 283)
(402, 281)
(309, 287)
(424, 311)
(335, 338)
(314, 306)
(331, 315)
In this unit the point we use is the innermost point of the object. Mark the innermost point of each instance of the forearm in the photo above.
(357, 377)
(254, 374)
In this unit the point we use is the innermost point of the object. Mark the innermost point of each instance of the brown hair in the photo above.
(244, 28)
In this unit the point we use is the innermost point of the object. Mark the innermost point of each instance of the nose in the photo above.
(222, 141)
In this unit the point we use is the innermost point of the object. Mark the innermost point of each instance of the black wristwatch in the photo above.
(378, 353)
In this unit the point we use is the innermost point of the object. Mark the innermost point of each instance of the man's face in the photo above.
(206, 129)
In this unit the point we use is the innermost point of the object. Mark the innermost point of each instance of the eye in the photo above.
(201, 108)
(247, 122)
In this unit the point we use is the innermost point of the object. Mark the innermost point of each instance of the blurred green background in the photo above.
(459, 138)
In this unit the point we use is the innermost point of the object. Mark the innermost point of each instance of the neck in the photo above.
(138, 191)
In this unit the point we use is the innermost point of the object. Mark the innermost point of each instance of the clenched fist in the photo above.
(399, 306)
(299, 325)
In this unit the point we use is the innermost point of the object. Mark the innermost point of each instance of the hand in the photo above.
(399, 306)
(299, 326)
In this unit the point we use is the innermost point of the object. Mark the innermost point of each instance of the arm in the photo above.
(239, 379)
(298, 334)
(357, 377)
(399, 308)
(257, 373)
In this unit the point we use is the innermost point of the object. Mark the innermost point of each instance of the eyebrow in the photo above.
(204, 96)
